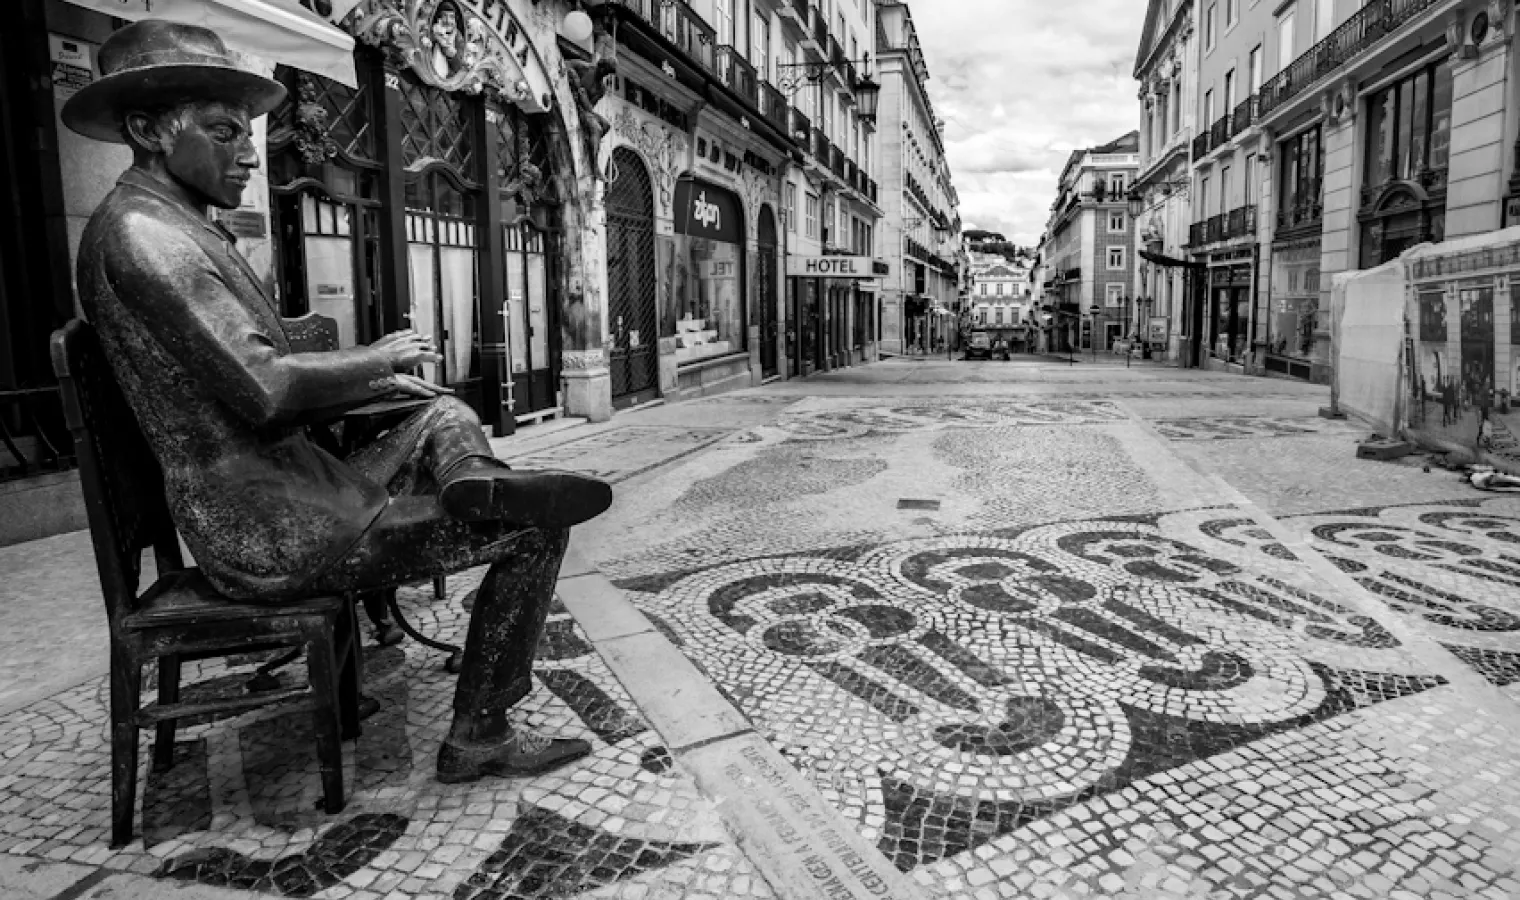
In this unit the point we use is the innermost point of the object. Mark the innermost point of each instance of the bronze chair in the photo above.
(181, 617)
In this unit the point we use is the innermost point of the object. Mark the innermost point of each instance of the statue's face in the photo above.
(213, 154)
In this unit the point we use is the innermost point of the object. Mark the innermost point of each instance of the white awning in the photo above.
(280, 31)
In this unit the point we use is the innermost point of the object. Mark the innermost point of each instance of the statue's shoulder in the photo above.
(133, 225)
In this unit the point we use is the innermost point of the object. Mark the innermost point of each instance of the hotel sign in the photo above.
(862, 267)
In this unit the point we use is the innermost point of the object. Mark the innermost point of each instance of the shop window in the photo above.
(1115, 258)
(709, 291)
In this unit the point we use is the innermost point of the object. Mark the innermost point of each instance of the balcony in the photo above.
(738, 75)
(836, 160)
(1241, 222)
(1368, 27)
(1306, 216)
(820, 147)
(1201, 146)
(1219, 132)
(795, 11)
(1213, 231)
(773, 105)
(1198, 234)
(852, 174)
(800, 128)
(678, 23)
(815, 39)
(1244, 116)
(870, 191)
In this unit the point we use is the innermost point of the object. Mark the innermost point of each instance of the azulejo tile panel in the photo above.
(1119, 704)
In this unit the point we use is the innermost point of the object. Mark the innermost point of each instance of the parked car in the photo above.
(979, 346)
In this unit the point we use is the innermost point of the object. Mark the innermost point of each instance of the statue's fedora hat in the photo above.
(153, 63)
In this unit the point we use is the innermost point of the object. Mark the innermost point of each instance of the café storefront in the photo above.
(434, 196)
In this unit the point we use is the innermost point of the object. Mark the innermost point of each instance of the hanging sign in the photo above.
(830, 267)
(461, 45)
(705, 210)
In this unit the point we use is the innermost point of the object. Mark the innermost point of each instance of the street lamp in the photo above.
(1092, 333)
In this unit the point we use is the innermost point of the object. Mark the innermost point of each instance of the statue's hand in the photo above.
(406, 350)
(413, 386)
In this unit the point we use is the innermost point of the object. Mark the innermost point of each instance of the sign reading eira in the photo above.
(831, 267)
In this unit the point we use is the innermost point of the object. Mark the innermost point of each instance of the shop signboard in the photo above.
(831, 266)
(1157, 330)
(704, 210)
(73, 67)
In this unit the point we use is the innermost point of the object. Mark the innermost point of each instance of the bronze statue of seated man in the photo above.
(201, 353)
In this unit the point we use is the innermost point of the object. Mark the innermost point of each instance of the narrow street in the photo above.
(915, 629)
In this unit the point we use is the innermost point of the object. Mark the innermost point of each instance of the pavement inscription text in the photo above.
(819, 865)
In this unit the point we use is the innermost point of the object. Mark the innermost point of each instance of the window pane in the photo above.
(1405, 135)
(1440, 105)
(1380, 137)
(1419, 117)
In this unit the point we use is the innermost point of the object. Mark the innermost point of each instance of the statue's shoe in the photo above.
(541, 499)
(522, 753)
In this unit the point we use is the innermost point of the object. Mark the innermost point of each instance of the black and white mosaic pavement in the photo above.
(1071, 682)
(239, 808)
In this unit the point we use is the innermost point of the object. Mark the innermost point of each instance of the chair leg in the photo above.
(168, 692)
(126, 696)
(322, 669)
(351, 672)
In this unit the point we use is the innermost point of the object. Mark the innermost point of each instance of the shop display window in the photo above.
(710, 316)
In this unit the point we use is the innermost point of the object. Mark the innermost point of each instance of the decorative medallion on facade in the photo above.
(461, 45)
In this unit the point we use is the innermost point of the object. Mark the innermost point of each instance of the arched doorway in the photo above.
(631, 314)
(765, 289)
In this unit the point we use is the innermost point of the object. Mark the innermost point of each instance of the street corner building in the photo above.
(588, 206)
(1284, 144)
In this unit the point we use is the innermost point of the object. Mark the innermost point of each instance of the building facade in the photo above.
(920, 237)
(1331, 137)
(1088, 250)
(1167, 68)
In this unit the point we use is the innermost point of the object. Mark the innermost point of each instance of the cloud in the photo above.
(1020, 84)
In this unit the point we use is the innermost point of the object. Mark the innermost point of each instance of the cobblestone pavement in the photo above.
(1026, 629)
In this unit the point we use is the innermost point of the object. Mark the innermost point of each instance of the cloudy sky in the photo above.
(1020, 84)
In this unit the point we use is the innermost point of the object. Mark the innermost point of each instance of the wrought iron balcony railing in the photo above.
(820, 146)
(738, 75)
(801, 128)
(1201, 146)
(773, 105)
(1244, 116)
(1214, 230)
(1198, 234)
(1301, 215)
(1368, 27)
(1219, 132)
(819, 31)
(1241, 222)
(679, 23)
(836, 160)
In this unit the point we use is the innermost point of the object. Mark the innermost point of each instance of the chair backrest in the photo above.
(123, 484)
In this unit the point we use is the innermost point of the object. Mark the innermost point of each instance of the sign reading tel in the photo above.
(830, 267)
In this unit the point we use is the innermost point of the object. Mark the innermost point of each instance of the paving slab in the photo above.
(26, 878)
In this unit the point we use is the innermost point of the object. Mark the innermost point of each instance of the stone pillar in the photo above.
(1476, 176)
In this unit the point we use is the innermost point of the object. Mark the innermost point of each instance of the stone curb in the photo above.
(798, 842)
